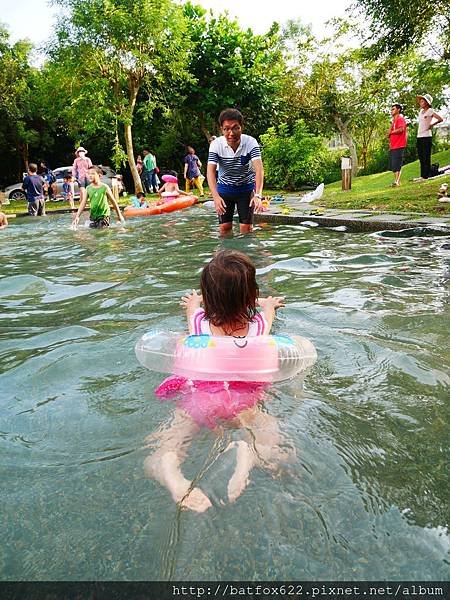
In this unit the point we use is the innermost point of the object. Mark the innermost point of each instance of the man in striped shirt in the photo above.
(241, 174)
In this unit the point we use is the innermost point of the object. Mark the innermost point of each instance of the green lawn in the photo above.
(374, 191)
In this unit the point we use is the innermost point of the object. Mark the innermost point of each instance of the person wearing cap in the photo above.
(428, 118)
(241, 175)
(397, 142)
(80, 168)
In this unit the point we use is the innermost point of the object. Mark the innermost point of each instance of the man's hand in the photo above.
(220, 205)
(256, 202)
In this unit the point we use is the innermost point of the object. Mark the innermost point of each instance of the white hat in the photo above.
(427, 98)
(80, 149)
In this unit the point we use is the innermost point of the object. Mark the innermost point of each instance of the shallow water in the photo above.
(365, 497)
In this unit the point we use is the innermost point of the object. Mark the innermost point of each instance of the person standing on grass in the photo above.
(192, 174)
(80, 168)
(397, 142)
(33, 186)
(150, 171)
(238, 185)
(428, 118)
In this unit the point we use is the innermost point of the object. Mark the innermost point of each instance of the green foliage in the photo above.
(400, 25)
(231, 68)
(293, 156)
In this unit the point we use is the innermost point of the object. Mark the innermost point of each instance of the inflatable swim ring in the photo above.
(176, 204)
(265, 358)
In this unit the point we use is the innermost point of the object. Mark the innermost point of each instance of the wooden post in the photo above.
(346, 169)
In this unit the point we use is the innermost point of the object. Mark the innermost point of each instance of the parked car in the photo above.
(15, 192)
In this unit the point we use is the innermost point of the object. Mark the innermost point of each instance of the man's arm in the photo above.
(212, 182)
(113, 201)
(256, 201)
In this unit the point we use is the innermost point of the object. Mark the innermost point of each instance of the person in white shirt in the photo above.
(428, 118)
(240, 173)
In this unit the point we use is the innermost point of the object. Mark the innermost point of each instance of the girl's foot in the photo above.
(196, 500)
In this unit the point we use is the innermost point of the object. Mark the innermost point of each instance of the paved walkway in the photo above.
(294, 211)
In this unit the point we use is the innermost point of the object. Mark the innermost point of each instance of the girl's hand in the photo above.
(271, 302)
(191, 301)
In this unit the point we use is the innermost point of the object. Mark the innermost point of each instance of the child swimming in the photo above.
(230, 297)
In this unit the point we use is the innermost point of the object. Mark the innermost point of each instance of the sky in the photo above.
(33, 19)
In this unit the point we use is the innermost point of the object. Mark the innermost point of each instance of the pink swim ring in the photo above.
(216, 378)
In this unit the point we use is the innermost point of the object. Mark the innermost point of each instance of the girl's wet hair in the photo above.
(229, 290)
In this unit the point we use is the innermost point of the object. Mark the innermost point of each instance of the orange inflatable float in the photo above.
(171, 205)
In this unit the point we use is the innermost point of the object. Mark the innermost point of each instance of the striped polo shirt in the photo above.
(235, 172)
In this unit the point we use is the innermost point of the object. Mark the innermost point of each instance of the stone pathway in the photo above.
(294, 211)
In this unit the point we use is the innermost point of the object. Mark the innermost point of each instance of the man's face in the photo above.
(92, 175)
(394, 111)
(232, 131)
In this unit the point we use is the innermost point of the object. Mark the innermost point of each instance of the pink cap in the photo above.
(169, 178)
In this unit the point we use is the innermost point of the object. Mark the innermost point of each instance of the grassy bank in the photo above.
(375, 192)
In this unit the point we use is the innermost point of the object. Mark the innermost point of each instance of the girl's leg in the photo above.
(261, 448)
(164, 464)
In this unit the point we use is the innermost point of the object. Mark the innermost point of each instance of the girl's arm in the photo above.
(162, 189)
(110, 196)
(181, 192)
(191, 302)
(269, 305)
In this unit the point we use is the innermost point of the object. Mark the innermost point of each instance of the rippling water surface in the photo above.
(365, 497)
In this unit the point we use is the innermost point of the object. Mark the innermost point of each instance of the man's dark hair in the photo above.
(140, 195)
(32, 167)
(399, 106)
(231, 114)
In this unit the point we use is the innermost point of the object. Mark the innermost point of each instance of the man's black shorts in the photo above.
(396, 159)
(99, 223)
(242, 202)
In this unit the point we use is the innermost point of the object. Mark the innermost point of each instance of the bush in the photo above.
(294, 157)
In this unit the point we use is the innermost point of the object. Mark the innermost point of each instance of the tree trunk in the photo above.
(131, 161)
(133, 87)
(343, 130)
(204, 127)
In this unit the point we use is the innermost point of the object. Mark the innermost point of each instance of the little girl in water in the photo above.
(229, 295)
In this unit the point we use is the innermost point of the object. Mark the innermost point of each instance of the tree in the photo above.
(231, 67)
(403, 24)
(18, 115)
(335, 88)
(117, 51)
